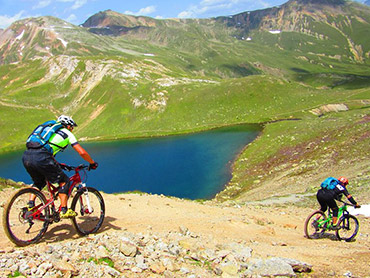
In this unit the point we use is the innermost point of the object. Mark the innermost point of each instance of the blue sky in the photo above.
(77, 11)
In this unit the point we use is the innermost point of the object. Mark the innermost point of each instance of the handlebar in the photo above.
(76, 168)
(348, 204)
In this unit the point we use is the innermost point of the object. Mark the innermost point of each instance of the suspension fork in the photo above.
(87, 199)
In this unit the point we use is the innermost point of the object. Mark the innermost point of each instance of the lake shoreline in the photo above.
(153, 135)
(196, 165)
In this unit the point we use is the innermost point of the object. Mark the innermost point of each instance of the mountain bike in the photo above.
(317, 223)
(25, 226)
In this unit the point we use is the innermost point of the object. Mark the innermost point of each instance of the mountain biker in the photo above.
(327, 197)
(41, 165)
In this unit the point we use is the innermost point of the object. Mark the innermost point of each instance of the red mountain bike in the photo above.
(25, 226)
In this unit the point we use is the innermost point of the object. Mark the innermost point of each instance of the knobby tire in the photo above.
(310, 230)
(19, 225)
(87, 223)
(349, 227)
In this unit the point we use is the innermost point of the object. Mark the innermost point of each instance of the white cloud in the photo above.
(78, 4)
(144, 11)
(44, 3)
(6, 20)
(211, 2)
(72, 18)
(186, 14)
(222, 7)
(41, 4)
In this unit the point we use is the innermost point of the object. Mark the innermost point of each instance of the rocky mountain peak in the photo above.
(290, 16)
(319, 2)
(113, 23)
(111, 18)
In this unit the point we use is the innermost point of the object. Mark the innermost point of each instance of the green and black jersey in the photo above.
(61, 139)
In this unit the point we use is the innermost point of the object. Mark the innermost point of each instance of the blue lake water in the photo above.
(193, 166)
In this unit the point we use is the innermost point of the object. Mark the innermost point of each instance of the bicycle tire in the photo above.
(19, 226)
(87, 223)
(349, 227)
(311, 230)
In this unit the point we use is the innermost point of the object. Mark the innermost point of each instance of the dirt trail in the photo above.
(267, 230)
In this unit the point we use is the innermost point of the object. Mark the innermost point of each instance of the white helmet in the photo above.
(66, 120)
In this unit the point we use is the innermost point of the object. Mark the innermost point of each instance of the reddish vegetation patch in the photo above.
(293, 154)
(364, 120)
(364, 136)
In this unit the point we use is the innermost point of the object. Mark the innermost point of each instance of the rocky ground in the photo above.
(156, 236)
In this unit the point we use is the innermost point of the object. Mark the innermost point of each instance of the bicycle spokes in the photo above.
(349, 227)
(90, 205)
(24, 226)
(315, 225)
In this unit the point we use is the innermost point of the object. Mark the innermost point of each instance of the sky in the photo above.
(78, 11)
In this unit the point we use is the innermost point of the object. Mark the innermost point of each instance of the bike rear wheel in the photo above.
(315, 225)
(25, 226)
(89, 205)
(349, 227)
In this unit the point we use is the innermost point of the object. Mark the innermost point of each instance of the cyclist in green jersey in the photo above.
(41, 165)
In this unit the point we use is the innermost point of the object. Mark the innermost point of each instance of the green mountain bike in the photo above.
(317, 223)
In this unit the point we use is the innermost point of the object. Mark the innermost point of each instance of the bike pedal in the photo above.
(334, 228)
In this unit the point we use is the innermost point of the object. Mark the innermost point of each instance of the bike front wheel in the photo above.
(24, 225)
(89, 205)
(315, 225)
(349, 227)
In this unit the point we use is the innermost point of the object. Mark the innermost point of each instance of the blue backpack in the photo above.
(329, 183)
(42, 134)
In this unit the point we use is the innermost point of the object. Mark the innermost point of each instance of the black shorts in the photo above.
(326, 198)
(42, 166)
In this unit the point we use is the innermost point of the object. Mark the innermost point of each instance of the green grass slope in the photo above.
(178, 76)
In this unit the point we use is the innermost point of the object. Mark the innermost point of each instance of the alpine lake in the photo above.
(192, 166)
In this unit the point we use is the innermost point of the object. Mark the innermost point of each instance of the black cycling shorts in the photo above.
(326, 199)
(42, 166)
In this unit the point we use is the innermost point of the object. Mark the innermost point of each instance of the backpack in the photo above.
(41, 135)
(329, 183)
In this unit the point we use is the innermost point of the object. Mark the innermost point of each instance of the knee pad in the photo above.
(64, 189)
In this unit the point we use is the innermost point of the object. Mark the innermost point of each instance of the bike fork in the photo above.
(87, 200)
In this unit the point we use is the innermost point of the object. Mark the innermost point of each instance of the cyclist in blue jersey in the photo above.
(327, 197)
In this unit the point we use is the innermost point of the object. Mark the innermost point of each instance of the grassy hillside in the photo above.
(177, 76)
(295, 156)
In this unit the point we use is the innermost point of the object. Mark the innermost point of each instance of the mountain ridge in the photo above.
(302, 17)
(181, 76)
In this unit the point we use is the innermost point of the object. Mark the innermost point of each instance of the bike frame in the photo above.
(342, 210)
(75, 180)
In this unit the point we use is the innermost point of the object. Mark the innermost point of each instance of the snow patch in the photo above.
(63, 42)
(20, 36)
(149, 54)
(274, 31)
(364, 210)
